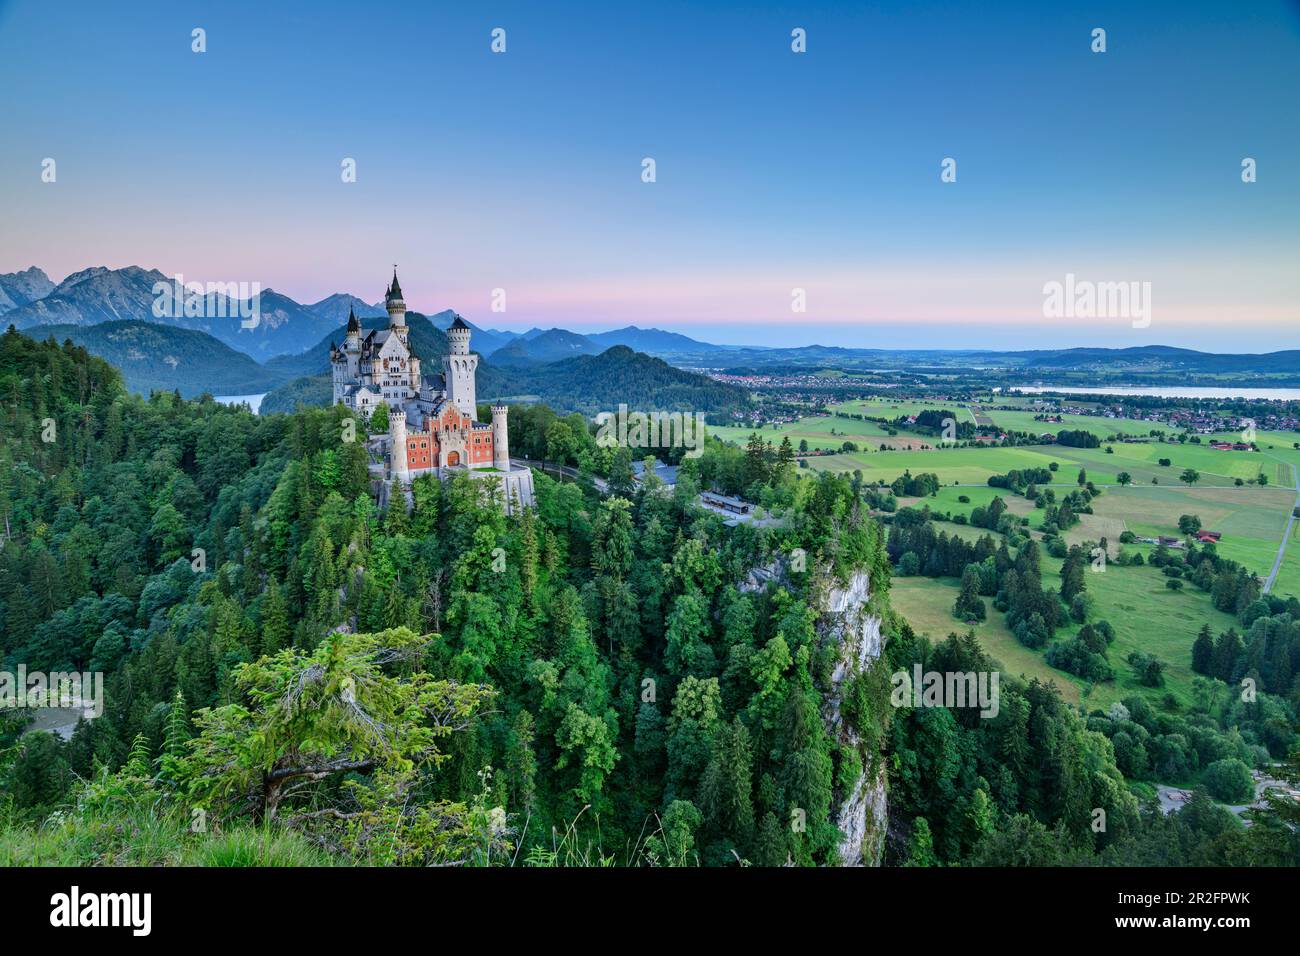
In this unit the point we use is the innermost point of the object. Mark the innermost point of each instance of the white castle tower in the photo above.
(397, 445)
(396, 307)
(500, 438)
(459, 369)
(352, 342)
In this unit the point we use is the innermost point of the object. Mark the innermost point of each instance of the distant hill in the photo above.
(1149, 364)
(650, 341)
(158, 357)
(586, 383)
(1157, 357)
(549, 346)
(293, 339)
(283, 326)
(599, 383)
(313, 391)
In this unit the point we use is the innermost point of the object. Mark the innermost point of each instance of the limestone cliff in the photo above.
(849, 624)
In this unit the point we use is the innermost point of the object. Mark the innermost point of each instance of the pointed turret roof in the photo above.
(394, 290)
(458, 323)
(353, 324)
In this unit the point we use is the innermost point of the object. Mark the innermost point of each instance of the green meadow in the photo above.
(1149, 617)
(1251, 517)
(1101, 427)
(822, 432)
(890, 408)
(1145, 614)
(926, 604)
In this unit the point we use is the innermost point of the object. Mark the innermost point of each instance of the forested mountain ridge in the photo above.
(590, 384)
(600, 383)
(613, 681)
(152, 356)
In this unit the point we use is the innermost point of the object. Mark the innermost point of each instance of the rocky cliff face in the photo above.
(846, 620)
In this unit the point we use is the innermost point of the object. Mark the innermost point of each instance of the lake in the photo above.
(1168, 391)
(252, 401)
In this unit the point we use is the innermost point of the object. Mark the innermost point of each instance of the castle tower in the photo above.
(500, 438)
(459, 369)
(352, 338)
(338, 372)
(397, 445)
(458, 335)
(396, 307)
(352, 345)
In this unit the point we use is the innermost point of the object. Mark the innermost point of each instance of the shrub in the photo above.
(1229, 781)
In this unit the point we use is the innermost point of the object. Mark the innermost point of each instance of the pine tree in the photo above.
(969, 606)
(1203, 652)
(920, 847)
(276, 630)
(176, 731)
(726, 790)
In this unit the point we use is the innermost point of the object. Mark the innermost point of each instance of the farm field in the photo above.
(1102, 427)
(965, 466)
(926, 604)
(1145, 614)
(816, 430)
(1251, 517)
(1288, 576)
(980, 497)
(1142, 462)
(974, 465)
(1149, 617)
(893, 408)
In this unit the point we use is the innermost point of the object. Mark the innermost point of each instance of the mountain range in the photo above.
(98, 294)
(291, 340)
(286, 327)
(111, 313)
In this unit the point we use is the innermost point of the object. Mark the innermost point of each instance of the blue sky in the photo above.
(775, 171)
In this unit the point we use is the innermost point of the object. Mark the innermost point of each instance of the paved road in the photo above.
(568, 471)
(1286, 536)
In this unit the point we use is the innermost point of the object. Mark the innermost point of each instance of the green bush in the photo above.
(1229, 781)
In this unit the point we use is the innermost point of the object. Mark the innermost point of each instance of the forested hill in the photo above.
(585, 683)
(152, 356)
(210, 562)
(589, 384)
(599, 383)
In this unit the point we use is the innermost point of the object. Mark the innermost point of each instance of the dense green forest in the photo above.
(293, 676)
(152, 356)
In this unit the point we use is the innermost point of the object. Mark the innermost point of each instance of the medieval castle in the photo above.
(433, 425)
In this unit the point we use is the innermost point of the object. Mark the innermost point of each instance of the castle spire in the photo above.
(396, 307)
(353, 324)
